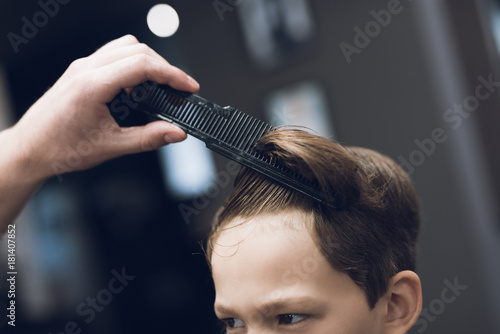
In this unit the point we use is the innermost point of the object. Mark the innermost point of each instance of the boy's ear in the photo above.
(404, 302)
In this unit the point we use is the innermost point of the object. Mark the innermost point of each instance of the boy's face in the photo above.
(270, 277)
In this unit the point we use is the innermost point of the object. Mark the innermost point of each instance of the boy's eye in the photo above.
(287, 319)
(234, 323)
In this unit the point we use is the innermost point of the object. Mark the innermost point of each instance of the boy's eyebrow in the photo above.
(273, 305)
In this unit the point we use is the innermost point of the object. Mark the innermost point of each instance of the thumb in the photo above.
(148, 137)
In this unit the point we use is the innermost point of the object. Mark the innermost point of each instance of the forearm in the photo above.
(18, 178)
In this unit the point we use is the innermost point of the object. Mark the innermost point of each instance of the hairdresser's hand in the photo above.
(70, 127)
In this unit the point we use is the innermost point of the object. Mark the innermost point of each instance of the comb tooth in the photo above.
(234, 124)
(230, 126)
(266, 129)
(155, 96)
(238, 129)
(217, 119)
(149, 96)
(168, 97)
(250, 129)
(235, 134)
(207, 114)
(190, 113)
(251, 135)
(216, 126)
(170, 108)
(206, 126)
(162, 100)
(158, 99)
(182, 107)
(262, 129)
(243, 132)
(201, 117)
(258, 133)
(221, 126)
(182, 110)
(248, 134)
(224, 132)
(173, 109)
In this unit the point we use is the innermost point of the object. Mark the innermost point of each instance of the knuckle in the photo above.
(143, 61)
(143, 48)
(142, 58)
(130, 38)
(77, 64)
(147, 145)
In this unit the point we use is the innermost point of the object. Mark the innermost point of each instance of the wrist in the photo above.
(19, 164)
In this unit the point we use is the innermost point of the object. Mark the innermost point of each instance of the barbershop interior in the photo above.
(119, 248)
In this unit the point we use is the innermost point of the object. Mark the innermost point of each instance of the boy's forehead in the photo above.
(234, 232)
(292, 219)
(265, 242)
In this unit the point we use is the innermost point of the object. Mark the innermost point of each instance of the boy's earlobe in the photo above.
(404, 298)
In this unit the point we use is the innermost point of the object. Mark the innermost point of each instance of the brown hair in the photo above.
(371, 238)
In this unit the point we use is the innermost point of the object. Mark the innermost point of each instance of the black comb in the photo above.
(224, 130)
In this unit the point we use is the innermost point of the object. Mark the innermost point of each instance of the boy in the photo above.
(283, 262)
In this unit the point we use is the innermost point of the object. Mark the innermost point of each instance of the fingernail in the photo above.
(193, 82)
(173, 138)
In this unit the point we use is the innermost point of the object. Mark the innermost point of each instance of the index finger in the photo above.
(134, 70)
(116, 43)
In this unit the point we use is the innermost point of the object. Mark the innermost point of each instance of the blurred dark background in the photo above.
(390, 88)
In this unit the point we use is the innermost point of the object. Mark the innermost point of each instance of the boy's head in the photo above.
(282, 261)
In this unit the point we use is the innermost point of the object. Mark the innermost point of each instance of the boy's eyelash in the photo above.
(222, 325)
(302, 318)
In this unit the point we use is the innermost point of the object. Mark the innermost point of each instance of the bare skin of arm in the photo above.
(35, 148)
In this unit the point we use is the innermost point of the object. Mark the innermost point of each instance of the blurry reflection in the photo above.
(303, 104)
(495, 21)
(275, 30)
(187, 167)
(54, 249)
